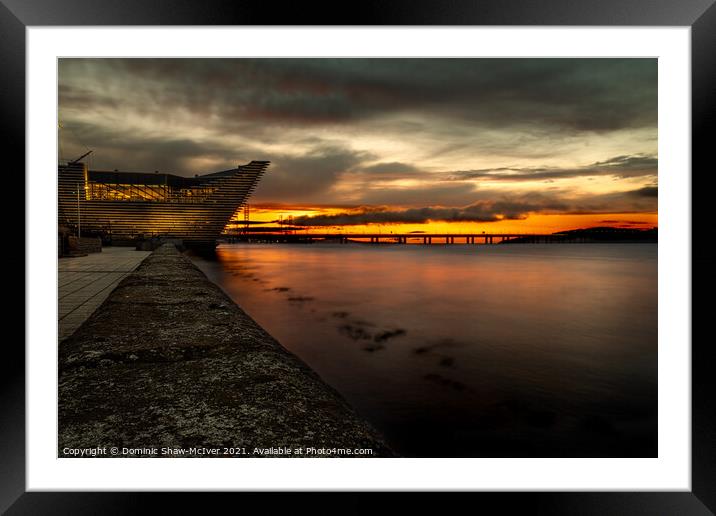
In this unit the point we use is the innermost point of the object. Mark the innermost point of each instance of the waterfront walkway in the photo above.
(85, 282)
(170, 366)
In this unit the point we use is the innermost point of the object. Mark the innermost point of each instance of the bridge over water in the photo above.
(405, 238)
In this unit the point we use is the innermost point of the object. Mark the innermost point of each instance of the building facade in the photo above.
(129, 206)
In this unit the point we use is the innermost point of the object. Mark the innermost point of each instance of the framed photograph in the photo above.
(421, 249)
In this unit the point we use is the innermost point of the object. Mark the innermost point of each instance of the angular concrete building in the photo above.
(128, 206)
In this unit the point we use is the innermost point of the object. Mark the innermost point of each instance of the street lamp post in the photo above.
(79, 221)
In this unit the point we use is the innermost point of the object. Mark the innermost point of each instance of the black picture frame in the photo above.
(700, 15)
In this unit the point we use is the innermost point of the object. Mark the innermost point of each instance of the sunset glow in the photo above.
(270, 215)
(523, 145)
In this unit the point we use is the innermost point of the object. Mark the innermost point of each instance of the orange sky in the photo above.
(534, 223)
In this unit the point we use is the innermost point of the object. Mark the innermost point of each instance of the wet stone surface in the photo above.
(168, 360)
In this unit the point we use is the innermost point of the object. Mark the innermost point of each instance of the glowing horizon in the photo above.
(272, 216)
(509, 143)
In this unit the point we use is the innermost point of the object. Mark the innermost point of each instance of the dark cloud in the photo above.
(572, 94)
(619, 166)
(384, 171)
(391, 169)
(308, 176)
(115, 148)
(482, 211)
(456, 194)
(315, 119)
(514, 206)
(630, 201)
(647, 191)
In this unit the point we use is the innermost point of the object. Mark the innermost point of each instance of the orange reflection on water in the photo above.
(543, 343)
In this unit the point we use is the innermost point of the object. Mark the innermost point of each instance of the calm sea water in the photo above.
(469, 351)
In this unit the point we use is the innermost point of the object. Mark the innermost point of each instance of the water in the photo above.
(469, 351)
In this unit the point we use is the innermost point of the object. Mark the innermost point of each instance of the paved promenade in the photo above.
(169, 366)
(85, 282)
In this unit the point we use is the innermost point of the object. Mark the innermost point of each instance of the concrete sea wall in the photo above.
(170, 366)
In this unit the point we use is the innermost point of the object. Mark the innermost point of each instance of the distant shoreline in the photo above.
(586, 235)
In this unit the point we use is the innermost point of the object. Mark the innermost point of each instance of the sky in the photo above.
(516, 144)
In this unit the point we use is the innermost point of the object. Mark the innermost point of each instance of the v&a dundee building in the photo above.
(128, 207)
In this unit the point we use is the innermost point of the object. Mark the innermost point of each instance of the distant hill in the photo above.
(599, 234)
